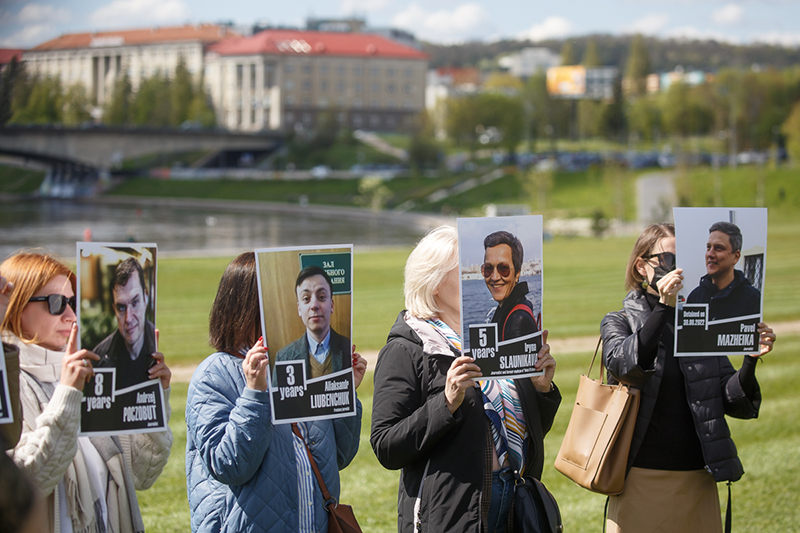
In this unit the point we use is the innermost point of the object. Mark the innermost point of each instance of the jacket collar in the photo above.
(419, 331)
(738, 279)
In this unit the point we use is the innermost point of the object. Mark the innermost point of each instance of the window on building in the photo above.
(341, 86)
(391, 104)
(253, 116)
(390, 121)
(306, 69)
(307, 119)
(376, 87)
(357, 87)
(289, 99)
(390, 71)
(289, 84)
(269, 75)
(306, 101)
(408, 73)
(373, 71)
(356, 71)
(239, 75)
(323, 85)
(323, 69)
(341, 70)
(306, 85)
(391, 88)
(374, 121)
(238, 118)
(357, 120)
(288, 68)
(374, 104)
(322, 102)
(253, 78)
(407, 105)
(289, 117)
(409, 88)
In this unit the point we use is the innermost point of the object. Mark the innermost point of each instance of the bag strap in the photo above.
(728, 511)
(602, 366)
(518, 307)
(325, 494)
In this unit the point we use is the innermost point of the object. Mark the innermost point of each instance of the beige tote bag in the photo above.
(594, 453)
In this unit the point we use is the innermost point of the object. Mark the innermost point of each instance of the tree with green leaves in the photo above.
(201, 110)
(43, 105)
(181, 94)
(638, 65)
(76, 106)
(7, 82)
(118, 108)
(151, 103)
(791, 129)
(591, 56)
(568, 54)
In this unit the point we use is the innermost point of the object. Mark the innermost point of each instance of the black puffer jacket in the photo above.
(713, 389)
(442, 455)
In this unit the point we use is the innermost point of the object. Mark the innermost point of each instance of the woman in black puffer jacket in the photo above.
(681, 443)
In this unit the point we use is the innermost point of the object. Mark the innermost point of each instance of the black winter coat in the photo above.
(713, 389)
(441, 455)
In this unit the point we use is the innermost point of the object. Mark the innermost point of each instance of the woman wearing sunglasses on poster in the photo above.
(88, 484)
(502, 263)
(681, 443)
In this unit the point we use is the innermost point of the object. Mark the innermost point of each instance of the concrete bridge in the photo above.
(78, 157)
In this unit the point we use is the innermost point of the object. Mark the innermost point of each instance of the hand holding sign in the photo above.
(76, 370)
(255, 366)
(766, 339)
(459, 378)
(546, 363)
(160, 370)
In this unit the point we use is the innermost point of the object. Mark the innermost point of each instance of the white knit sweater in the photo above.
(49, 437)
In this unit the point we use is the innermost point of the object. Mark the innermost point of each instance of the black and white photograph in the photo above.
(500, 261)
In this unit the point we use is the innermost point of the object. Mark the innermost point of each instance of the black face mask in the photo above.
(666, 264)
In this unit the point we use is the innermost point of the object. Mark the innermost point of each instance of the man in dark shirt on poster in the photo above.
(726, 290)
(130, 348)
(324, 350)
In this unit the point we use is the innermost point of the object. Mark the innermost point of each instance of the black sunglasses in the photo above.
(487, 269)
(56, 303)
(665, 259)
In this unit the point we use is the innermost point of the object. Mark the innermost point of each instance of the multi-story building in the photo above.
(282, 79)
(98, 59)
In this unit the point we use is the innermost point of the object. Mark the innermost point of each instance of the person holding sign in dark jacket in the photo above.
(432, 419)
(681, 443)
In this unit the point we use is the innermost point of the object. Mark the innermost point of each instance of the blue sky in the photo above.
(25, 23)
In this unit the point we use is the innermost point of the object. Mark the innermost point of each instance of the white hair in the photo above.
(434, 256)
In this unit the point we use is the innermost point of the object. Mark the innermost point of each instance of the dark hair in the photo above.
(235, 310)
(732, 231)
(503, 237)
(313, 270)
(123, 273)
(651, 236)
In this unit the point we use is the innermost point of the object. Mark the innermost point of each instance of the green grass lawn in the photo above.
(583, 281)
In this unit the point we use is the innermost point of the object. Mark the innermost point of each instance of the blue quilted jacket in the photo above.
(240, 469)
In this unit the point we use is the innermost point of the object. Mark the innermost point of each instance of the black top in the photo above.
(520, 322)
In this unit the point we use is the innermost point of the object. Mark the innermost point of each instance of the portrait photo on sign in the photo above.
(723, 253)
(500, 273)
(117, 316)
(307, 314)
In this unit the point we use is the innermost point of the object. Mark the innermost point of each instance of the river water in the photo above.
(197, 227)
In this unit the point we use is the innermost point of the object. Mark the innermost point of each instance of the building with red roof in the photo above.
(98, 59)
(284, 79)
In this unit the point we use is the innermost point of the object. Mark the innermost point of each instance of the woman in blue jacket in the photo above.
(242, 472)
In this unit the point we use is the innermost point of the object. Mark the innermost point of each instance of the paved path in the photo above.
(183, 373)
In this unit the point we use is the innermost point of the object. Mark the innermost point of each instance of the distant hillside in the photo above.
(665, 54)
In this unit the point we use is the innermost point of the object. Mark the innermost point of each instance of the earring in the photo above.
(645, 285)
